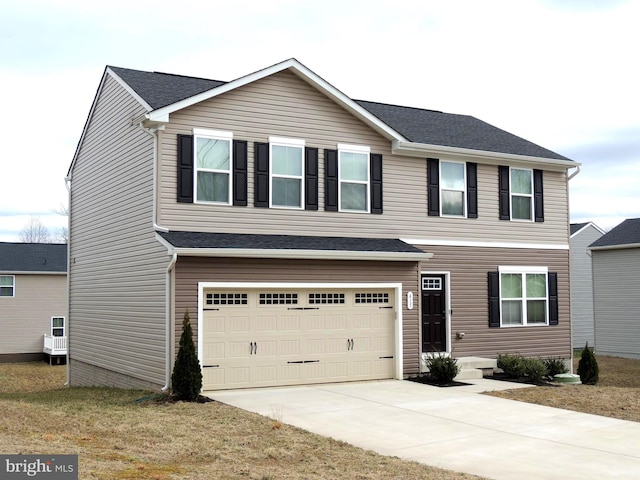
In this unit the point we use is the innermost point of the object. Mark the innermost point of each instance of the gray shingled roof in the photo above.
(577, 226)
(417, 125)
(285, 242)
(627, 233)
(33, 257)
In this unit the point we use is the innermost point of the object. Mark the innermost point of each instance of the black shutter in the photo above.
(494, 299)
(376, 183)
(261, 175)
(311, 178)
(503, 186)
(538, 195)
(185, 169)
(240, 173)
(472, 190)
(553, 298)
(433, 187)
(331, 180)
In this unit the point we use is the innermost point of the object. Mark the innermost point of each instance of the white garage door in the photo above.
(271, 337)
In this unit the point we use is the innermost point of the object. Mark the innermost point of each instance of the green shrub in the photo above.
(555, 366)
(534, 368)
(512, 365)
(186, 380)
(442, 368)
(588, 367)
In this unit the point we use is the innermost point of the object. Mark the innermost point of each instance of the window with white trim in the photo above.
(521, 185)
(524, 296)
(213, 166)
(57, 326)
(286, 172)
(453, 189)
(354, 181)
(7, 286)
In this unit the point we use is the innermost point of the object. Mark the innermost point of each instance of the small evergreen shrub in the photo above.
(534, 368)
(442, 369)
(588, 367)
(512, 365)
(555, 366)
(186, 380)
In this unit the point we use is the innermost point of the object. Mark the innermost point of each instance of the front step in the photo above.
(475, 367)
(468, 374)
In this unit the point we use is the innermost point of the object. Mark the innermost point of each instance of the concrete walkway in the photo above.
(456, 428)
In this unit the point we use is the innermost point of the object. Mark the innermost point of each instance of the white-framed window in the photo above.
(524, 296)
(7, 286)
(354, 181)
(521, 192)
(213, 166)
(286, 172)
(57, 326)
(431, 283)
(453, 192)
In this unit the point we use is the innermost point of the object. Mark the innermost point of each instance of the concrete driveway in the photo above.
(455, 428)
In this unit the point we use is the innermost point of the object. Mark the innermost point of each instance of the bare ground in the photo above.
(616, 395)
(126, 434)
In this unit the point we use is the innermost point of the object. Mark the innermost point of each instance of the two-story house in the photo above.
(311, 237)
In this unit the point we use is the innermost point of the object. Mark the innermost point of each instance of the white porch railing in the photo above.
(55, 345)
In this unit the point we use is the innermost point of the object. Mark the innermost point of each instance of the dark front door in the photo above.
(434, 316)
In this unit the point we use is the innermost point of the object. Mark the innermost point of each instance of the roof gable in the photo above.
(33, 257)
(576, 228)
(625, 235)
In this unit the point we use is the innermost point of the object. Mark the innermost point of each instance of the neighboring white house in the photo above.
(616, 287)
(33, 300)
(582, 329)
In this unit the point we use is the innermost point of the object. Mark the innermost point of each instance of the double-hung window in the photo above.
(213, 165)
(521, 194)
(523, 296)
(7, 286)
(353, 172)
(452, 189)
(287, 172)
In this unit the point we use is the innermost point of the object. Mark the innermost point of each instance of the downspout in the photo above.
(67, 184)
(576, 172)
(168, 329)
(153, 132)
(573, 174)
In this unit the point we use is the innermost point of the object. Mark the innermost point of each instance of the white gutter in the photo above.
(67, 184)
(576, 172)
(153, 132)
(168, 329)
(622, 246)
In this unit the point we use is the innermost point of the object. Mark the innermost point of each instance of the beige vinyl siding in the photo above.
(189, 271)
(616, 285)
(26, 317)
(469, 301)
(582, 287)
(284, 105)
(117, 268)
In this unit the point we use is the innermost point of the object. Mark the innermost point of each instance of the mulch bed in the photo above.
(505, 378)
(426, 380)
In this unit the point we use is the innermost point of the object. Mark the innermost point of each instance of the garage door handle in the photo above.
(390, 356)
(349, 343)
(253, 348)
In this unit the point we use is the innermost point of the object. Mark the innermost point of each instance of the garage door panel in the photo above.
(263, 341)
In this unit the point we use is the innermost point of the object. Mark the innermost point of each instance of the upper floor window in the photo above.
(57, 326)
(287, 172)
(213, 165)
(452, 188)
(521, 194)
(7, 286)
(353, 173)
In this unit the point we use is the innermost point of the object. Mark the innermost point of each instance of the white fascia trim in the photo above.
(398, 329)
(423, 150)
(162, 114)
(300, 254)
(590, 224)
(624, 246)
(471, 243)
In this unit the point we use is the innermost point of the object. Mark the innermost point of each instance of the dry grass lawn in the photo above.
(117, 436)
(616, 395)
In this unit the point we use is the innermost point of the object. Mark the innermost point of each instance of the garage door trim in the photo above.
(398, 344)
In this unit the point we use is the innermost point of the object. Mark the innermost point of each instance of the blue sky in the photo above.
(562, 74)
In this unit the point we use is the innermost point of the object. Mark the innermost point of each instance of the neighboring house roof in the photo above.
(162, 92)
(33, 257)
(625, 235)
(292, 245)
(578, 227)
(452, 130)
